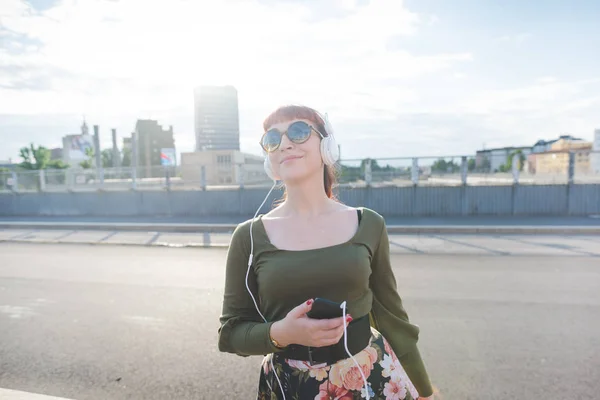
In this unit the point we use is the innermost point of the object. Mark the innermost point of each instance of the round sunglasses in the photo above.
(298, 132)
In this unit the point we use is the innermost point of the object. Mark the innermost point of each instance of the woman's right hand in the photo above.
(298, 328)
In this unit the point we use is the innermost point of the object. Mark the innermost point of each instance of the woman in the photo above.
(313, 246)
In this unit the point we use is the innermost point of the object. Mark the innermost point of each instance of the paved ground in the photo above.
(114, 322)
(546, 245)
(593, 220)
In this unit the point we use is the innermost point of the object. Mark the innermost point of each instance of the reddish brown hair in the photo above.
(290, 112)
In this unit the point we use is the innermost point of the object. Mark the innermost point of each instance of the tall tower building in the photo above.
(216, 118)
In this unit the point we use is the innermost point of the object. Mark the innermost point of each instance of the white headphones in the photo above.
(330, 152)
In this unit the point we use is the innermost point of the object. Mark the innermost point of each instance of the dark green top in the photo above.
(357, 271)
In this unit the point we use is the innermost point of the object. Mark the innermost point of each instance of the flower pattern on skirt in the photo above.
(340, 381)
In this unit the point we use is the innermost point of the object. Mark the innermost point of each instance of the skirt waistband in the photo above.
(359, 335)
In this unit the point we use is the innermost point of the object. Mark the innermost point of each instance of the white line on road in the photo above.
(7, 394)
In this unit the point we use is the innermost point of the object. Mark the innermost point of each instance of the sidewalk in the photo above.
(466, 235)
(482, 244)
(391, 221)
(395, 225)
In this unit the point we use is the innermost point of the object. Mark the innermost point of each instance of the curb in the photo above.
(229, 228)
(155, 244)
(224, 247)
(122, 226)
(495, 230)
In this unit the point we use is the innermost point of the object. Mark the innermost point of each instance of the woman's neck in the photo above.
(306, 199)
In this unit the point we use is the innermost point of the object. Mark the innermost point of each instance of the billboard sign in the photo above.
(167, 157)
(78, 146)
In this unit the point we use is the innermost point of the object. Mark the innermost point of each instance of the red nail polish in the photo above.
(309, 302)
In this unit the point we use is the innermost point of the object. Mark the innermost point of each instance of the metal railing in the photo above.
(581, 167)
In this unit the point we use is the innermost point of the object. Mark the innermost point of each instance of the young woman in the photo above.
(312, 246)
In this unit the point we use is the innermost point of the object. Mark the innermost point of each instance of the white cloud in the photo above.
(115, 61)
(546, 79)
(517, 39)
(267, 51)
(433, 19)
(543, 96)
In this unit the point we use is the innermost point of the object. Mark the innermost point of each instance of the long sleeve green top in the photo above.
(357, 271)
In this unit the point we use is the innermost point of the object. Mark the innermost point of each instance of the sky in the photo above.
(397, 78)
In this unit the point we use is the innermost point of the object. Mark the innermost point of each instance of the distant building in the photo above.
(542, 146)
(56, 153)
(126, 152)
(222, 167)
(556, 160)
(216, 118)
(595, 156)
(126, 143)
(151, 138)
(492, 159)
(7, 164)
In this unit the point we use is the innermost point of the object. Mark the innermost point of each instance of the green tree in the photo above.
(126, 161)
(346, 173)
(471, 164)
(107, 158)
(374, 165)
(87, 164)
(57, 164)
(38, 158)
(34, 158)
(519, 156)
(442, 165)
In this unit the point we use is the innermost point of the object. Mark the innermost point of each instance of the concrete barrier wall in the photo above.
(390, 201)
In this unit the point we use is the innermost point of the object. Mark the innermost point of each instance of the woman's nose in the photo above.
(286, 143)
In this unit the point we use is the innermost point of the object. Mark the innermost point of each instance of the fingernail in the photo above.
(349, 317)
(309, 302)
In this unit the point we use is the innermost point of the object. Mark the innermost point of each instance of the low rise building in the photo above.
(556, 160)
(595, 156)
(491, 160)
(222, 167)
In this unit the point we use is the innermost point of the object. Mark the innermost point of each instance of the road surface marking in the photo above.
(7, 394)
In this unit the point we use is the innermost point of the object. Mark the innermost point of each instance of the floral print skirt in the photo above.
(340, 381)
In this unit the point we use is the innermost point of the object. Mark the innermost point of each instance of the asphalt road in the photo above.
(114, 322)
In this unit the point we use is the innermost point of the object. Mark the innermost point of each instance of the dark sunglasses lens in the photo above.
(299, 132)
(271, 140)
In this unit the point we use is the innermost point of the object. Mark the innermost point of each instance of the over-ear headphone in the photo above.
(330, 152)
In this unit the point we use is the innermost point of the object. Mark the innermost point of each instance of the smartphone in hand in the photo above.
(325, 309)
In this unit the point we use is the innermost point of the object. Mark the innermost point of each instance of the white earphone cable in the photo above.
(250, 259)
(343, 306)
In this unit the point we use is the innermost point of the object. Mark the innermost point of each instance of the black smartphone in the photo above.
(325, 309)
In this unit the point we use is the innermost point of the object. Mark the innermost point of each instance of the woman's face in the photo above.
(295, 162)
